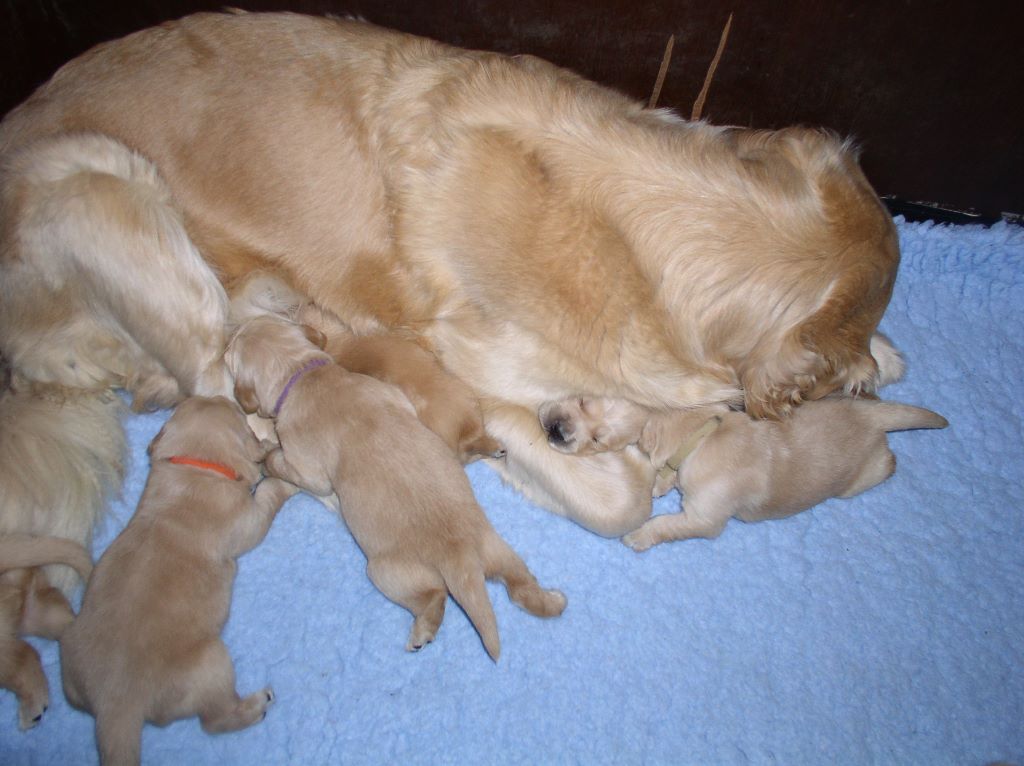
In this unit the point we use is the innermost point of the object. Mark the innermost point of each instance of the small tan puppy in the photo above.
(728, 464)
(403, 495)
(146, 645)
(30, 606)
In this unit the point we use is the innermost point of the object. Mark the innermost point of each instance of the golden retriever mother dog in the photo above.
(545, 236)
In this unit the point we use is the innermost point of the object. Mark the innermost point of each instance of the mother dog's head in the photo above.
(776, 262)
(846, 253)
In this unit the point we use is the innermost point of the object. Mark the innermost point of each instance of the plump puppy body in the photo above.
(29, 605)
(402, 493)
(146, 645)
(545, 235)
(727, 464)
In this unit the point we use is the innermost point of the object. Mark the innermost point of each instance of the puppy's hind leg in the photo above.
(213, 695)
(47, 612)
(879, 466)
(416, 587)
(22, 673)
(501, 562)
(119, 734)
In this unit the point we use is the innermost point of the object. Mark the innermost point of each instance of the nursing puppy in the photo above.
(728, 464)
(444, 404)
(404, 497)
(146, 644)
(544, 235)
(30, 606)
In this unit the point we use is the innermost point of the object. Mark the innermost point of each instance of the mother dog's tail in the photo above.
(61, 458)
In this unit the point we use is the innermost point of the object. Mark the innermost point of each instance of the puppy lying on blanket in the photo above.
(29, 605)
(727, 464)
(146, 645)
(403, 495)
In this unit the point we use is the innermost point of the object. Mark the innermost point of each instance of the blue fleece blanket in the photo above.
(884, 629)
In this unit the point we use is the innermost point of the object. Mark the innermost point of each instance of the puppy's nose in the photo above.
(556, 432)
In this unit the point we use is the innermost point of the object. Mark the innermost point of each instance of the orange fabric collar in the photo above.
(223, 470)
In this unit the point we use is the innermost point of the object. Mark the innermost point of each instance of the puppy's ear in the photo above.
(246, 397)
(156, 441)
(650, 437)
(314, 336)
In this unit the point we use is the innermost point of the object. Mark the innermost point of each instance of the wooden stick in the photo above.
(661, 72)
(698, 105)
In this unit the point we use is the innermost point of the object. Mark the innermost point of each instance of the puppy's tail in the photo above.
(893, 416)
(18, 551)
(61, 458)
(465, 581)
(119, 736)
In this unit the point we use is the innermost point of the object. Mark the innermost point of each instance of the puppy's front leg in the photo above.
(675, 526)
(252, 526)
(277, 464)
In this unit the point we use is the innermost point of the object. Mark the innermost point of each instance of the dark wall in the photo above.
(930, 89)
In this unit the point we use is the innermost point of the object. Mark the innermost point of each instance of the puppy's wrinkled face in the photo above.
(586, 426)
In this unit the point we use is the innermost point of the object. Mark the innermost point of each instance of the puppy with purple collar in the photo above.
(403, 494)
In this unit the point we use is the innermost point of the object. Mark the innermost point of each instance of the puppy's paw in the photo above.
(556, 602)
(256, 704)
(419, 637)
(31, 709)
(640, 539)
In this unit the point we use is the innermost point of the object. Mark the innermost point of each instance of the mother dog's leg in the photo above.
(101, 285)
(608, 493)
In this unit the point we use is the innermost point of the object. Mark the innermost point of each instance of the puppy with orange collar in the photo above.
(146, 645)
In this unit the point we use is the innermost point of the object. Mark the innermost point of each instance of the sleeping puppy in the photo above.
(404, 497)
(146, 645)
(728, 464)
(29, 605)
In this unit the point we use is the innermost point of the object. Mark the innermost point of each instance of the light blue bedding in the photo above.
(885, 629)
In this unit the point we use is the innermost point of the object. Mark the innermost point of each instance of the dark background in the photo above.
(930, 90)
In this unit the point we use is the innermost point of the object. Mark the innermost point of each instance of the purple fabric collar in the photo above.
(311, 365)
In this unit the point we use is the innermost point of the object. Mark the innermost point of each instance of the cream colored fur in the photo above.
(728, 464)
(544, 236)
(62, 454)
(29, 605)
(401, 491)
(146, 644)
